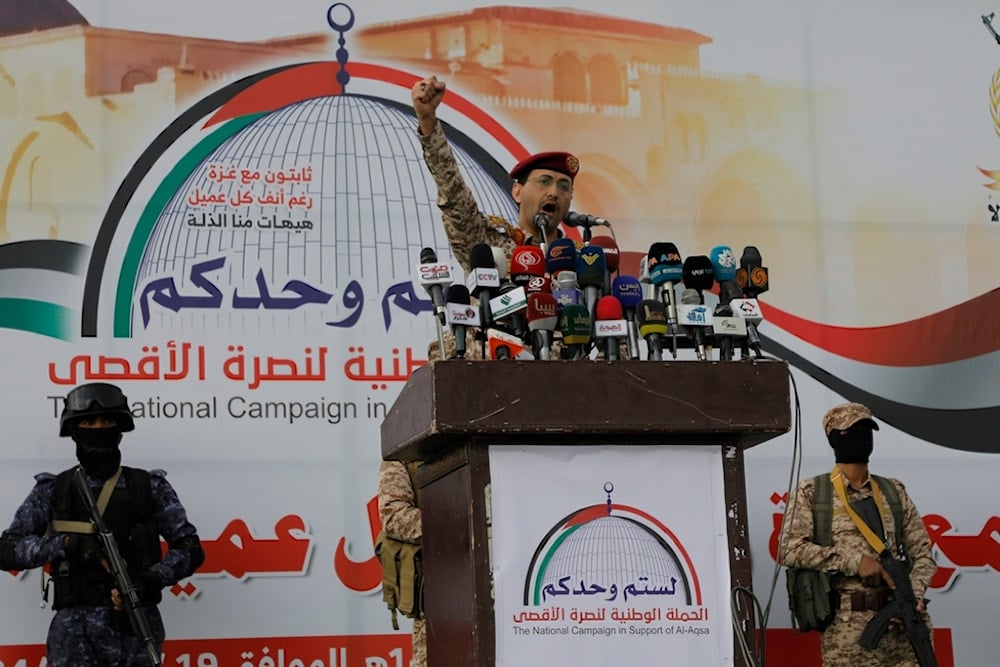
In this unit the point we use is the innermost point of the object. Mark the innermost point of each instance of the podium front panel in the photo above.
(610, 555)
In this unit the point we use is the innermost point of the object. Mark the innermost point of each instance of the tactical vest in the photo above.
(129, 517)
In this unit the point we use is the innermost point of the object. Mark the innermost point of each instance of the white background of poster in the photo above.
(679, 486)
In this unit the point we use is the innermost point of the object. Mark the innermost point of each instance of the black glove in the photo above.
(82, 548)
(149, 587)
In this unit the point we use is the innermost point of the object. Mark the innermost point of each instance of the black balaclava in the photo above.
(853, 445)
(97, 450)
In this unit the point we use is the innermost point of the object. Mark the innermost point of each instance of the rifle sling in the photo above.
(87, 527)
(874, 540)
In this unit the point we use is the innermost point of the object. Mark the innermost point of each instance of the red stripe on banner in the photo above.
(323, 651)
(312, 80)
(790, 648)
(964, 331)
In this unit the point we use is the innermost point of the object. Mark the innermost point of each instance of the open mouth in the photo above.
(550, 209)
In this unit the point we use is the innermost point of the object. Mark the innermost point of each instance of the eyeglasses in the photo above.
(563, 185)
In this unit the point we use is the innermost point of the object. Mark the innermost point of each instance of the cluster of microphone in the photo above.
(573, 298)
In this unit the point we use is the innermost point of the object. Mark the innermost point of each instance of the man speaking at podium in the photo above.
(543, 189)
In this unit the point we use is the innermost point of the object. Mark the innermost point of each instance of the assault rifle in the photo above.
(904, 606)
(116, 565)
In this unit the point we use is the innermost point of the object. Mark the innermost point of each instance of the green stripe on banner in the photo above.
(151, 213)
(41, 317)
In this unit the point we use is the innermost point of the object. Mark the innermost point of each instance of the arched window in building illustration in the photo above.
(569, 78)
(607, 85)
(133, 78)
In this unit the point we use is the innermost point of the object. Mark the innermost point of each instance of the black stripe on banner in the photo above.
(974, 430)
(48, 254)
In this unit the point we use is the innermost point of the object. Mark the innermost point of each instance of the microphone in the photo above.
(609, 324)
(628, 291)
(574, 219)
(432, 275)
(560, 256)
(665, 270)
(693, 315)
(540, 283)
(543, 318)
(611, 258)
(698, 275)
(651, 317)
(526, 262)
(483, 279)
(460, 315)
(590, 270)
(566, 291)
(574, 323)
(508, 309)
(723, 263)
(752, 276)
(500, 261)
(541, 222)
(502, 346)
(746, 309)
(727, 327)
(749, 311)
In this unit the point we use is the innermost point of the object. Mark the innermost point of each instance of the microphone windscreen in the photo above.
(664, 263)
(542, 312)
(690, 297)
(560, 255)
(428, 256)
(729, 290)
(575, 325)
(500, 260)
(457, 293)
(590, 266)
(627, 290)
(750, 259)
(698, 272)
(651, 316)
(481, 257)
(608, 308)
(611, 258)
(527, 260)
(723, 263)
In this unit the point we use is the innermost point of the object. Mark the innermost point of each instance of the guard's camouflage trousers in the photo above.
(91, 636)
(841, 647)
(419, 643)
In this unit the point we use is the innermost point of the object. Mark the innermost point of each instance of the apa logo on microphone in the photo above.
(590, 258)
(434, 273)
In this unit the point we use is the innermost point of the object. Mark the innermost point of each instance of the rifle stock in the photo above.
(903, 606)
(116, 565)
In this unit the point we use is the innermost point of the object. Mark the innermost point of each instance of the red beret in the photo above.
(564, 163)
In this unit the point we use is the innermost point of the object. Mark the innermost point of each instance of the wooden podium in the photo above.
(450, 413)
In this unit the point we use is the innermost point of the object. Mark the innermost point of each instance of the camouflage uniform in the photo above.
(96, 635)
(397, 507)
(464, 223)
(840, 639)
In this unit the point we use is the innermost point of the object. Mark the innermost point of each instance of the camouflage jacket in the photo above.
(844, 556)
